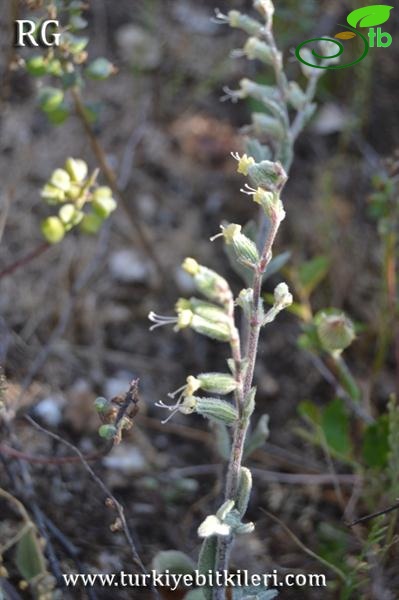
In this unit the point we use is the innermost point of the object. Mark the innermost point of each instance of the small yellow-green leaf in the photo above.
(50, 98)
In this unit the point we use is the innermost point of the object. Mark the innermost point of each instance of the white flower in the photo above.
(213, 526)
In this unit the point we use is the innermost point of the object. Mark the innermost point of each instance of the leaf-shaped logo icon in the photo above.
(345, 35)
(369, 16)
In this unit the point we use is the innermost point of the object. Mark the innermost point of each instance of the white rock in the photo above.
(126, 459)
(49, 410)
(330, 119)
(138, 47)
(184, 281)
(128, 266)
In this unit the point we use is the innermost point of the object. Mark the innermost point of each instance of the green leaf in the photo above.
(207, 560)
(258, 437)
(177, 562)
(335, 426)
(309, 411)
(369, 16)
(312, 272)
(222, 440)
(50, 98)
(36, 66)
(59, 115)
(375, 445)
(91, 223)
(100, 69)
(29, 557)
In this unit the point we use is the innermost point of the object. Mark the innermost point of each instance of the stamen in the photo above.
(174, 409)
(218, 235)
(160, 320)
(249, 190)
(220, 18)
(232, 95)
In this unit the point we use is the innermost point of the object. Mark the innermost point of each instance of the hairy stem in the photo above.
(241, 428)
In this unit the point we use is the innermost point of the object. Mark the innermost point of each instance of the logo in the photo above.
(368, 16)
(29, 33)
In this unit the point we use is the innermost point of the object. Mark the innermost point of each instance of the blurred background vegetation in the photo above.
(73, 321)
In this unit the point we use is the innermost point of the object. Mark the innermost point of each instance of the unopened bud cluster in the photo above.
(82, 202)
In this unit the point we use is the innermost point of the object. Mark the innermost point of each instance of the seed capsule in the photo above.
(241, 21)
(214, 383)
(211, 408)
(255, 49)
(207, 310)
(245, 249)
(335, 331)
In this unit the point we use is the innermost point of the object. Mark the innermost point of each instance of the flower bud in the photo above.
(308, 57)
(269, 201)
(335, 331)
(255, 49)
(214, 383)
(70, 216)
(328, 49)
(101, 404)
(208, 282)
(244, 248)
(52, 195)
(265, 7)
(241, 21)
(53, 230)
(191, 266)
(216, 331)
(91, 223)
(282, 295)
(107, 431)
(282, 299)
(104, 206)
(257, 91)
(296, 97)
(60, 179)
(268, 175)
(207, 310)
(77, 169)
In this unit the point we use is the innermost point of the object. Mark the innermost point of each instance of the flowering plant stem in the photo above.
(244, 385)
